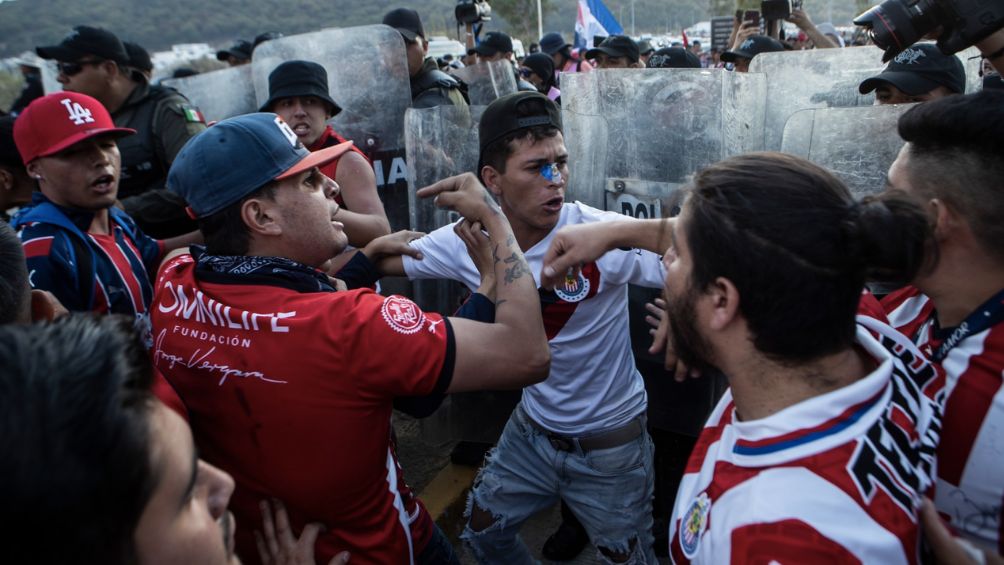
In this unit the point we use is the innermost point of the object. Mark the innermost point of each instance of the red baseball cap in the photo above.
(56, 121)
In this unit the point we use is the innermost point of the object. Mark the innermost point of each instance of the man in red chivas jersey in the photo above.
(954, 310)
(824, 445)
(287, 381)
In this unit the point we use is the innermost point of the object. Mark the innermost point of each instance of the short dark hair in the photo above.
(956, 148)
(75, 404)
(499, 151)
(225, 232)
(799, 249)
(14, 287)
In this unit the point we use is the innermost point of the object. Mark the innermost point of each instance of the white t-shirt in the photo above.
(836, 478)
(594, 384)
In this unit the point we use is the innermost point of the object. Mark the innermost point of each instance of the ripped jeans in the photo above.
(608, 490)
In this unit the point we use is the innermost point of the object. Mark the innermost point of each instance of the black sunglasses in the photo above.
(70, 69)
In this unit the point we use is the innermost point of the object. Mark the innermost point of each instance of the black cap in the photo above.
(541, 64)
(240, 49)
(502, 117)
(406, 21)
(673, 58)
(753, 46)
(552, 42)
(645, 47)
(138, 57)
(263, 37)
(298, 78)
(616, 46)
(83, 41)
(494, 42)
(918, 70)
(9, 154)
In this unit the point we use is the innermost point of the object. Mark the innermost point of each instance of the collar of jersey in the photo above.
(821, 422)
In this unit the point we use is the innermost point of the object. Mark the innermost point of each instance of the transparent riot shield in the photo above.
(635, 136)
(442, 142)
(487, 81)
(49, 73)
(368, 77)
(220, 94)
(856, 144)
(825, 78)
(816, 78)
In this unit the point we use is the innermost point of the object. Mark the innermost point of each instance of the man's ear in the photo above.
(946, 220)
(723, 303)
(425, 45)
(492, 179)
(33, 171)
(260, 215)
(6, 179)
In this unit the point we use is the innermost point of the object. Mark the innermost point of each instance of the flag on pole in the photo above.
(594, 19)
(686, 42)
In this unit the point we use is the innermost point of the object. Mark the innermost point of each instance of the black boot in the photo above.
(568, 540)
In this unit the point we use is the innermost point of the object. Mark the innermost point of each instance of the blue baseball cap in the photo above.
(236, 157)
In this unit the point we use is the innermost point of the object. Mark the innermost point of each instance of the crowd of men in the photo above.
(197, 368)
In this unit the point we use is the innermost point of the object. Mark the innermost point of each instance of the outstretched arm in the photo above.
(512, 352)
(575, 245)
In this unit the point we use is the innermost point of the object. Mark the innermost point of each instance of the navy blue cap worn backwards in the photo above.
(236, 157)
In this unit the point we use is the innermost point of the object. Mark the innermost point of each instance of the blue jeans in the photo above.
(438, 551)
(608, 490)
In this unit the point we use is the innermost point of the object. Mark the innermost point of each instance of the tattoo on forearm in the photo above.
(517, 269)
(492, 205)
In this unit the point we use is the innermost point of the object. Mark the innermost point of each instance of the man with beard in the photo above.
(581, 435)
(825, 442)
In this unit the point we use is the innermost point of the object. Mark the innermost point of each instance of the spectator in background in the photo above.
(15, 183)
(645, 51)
(818, 35)
(745, 50)
(239, 53)
(94, 62)
(430, 86)
(538, 69)
(616, 52)
(674, 58)
(32, 87)
(918, 74)
(497, 46)
(139, 60)
(561, 53)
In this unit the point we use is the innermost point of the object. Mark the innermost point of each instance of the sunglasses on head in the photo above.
(69, 69)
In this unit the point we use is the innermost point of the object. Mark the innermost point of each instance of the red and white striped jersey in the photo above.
(970, 490)
(833, 479)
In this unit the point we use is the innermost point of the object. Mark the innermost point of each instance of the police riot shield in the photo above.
(368, 78)
(442, 142)
(219, 94)
(635, 136)
(487, 81)
(634, 139)
(824, 78)
(856, 144)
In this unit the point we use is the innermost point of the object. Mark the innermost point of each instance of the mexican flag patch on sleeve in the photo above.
(193, 115)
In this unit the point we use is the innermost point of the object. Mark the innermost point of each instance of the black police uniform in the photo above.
(432, 87)
(164, 121)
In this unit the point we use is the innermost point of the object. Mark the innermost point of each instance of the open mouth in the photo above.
(301, 129)
(554, 204)
(104, 183)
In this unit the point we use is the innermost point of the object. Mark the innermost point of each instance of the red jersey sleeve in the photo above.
(398, 350)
